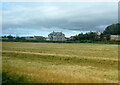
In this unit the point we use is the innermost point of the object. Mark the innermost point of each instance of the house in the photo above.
(114, 37)
(39, 37)
(56, 36)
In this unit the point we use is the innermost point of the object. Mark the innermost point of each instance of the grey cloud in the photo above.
(78, 17)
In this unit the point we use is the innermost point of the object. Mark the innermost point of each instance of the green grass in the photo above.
(61, 62)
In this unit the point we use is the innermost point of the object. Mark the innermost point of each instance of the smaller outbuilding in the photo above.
(39, 37)
(114, 37)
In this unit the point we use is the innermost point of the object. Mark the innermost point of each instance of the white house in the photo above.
(56, 36)
(114, 37)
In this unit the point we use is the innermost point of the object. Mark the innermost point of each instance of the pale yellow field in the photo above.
(61, 63)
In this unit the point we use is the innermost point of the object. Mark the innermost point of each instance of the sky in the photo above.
(71, 18)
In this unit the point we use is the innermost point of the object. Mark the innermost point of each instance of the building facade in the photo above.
(56, 36)
(114, 37)
(39, 37)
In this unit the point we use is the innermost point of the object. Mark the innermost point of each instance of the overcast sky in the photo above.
(71, 18)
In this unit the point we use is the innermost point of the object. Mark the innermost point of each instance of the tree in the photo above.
(10, 37)
(101, 36)
(4, 36)
(88, 36)
(19, 38)
(92, 36)
(113, 29)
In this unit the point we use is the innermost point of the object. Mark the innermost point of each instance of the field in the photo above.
(59, 62)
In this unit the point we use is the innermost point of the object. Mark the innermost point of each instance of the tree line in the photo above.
(10, 37)
(113, 29)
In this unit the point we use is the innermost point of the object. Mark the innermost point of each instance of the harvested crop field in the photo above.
(59, 62)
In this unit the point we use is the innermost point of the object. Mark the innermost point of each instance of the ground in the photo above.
(60, 62)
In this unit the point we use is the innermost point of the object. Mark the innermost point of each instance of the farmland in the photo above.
(60, 62)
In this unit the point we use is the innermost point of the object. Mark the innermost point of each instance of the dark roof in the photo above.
(39, 37)
(56, 33)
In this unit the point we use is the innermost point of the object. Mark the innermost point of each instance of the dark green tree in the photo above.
(113, 29)
(10, 37)
(88, 36)
(19, 38)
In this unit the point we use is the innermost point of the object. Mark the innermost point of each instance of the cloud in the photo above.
(65, 16)
(60, 0)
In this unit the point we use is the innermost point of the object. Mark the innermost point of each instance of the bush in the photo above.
(6, 78)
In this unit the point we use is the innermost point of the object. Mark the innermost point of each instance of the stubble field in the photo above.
(59, 62)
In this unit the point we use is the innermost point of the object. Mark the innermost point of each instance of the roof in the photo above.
(56, 33)
(39, 37)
